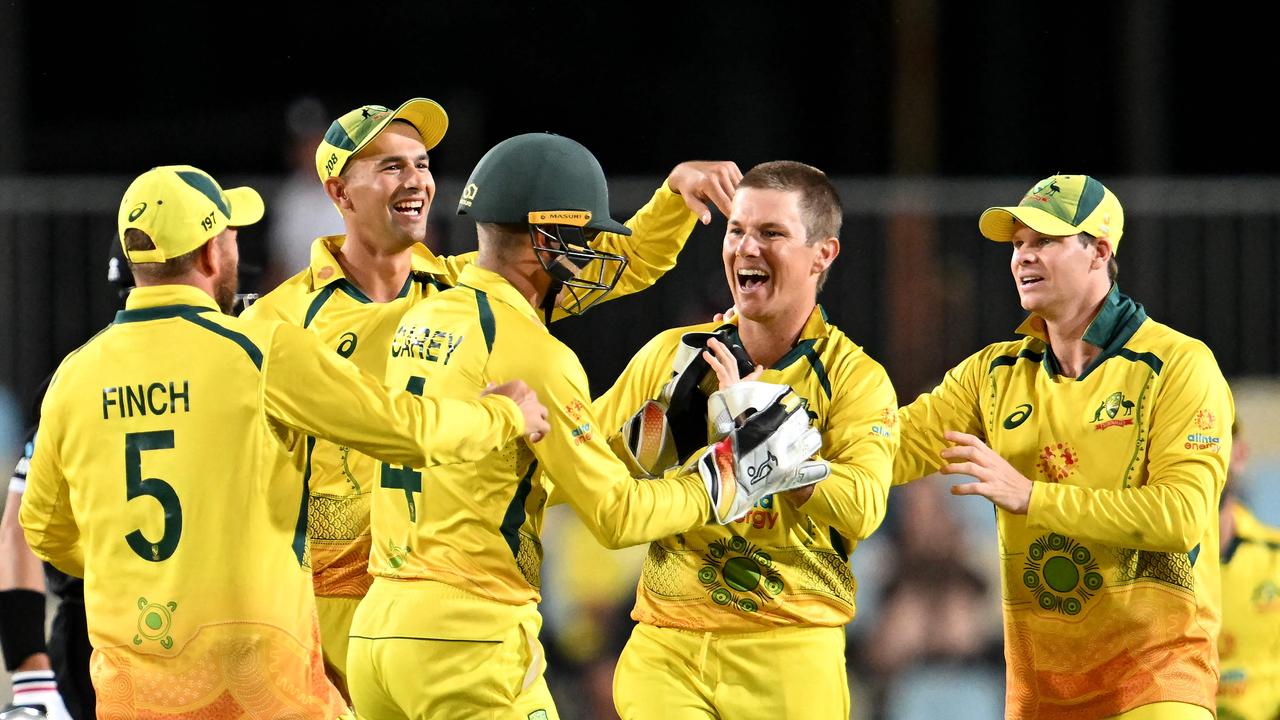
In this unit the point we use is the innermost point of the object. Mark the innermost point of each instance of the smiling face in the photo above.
(1055, 274)
(385, 190)
(769, 260)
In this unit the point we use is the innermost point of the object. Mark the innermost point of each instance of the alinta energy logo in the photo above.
(739, 574)
(1057, 462)
(1205, 440)
(1111, 407)
(1061, 574)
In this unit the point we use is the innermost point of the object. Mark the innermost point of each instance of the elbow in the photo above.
(611, 536)
(871, 519)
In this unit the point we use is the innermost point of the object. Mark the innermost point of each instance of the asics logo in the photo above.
(1018, 416)
(756, 474)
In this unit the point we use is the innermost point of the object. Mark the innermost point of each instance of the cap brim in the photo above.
(427, 116)
(609, 225)
(246, 206)
(998, 223)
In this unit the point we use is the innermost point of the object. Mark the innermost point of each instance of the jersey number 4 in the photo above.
(405, 478)
(135, 487)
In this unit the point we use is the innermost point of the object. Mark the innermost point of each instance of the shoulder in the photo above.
(668, 340)
(288, 302)
(1167, 349)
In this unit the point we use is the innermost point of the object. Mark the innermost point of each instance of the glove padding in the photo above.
(767, 453)
(673, 426)
(36, 690)
(645, 442)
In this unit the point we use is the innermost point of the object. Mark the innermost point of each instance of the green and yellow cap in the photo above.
(351, 132)
(181, 208)
(1060, 205)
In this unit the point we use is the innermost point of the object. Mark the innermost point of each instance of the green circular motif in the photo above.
(747, 605)
(1036, 551)
(1048, 600)
(707, 574)
(1071, 606)
(1061, 574)
(763, 558)
(716, 550)
(773, 584)
(1092, 580)
(154, 621)
(742, 574)
(738, 543)
(1081, 555)
(1030, 578)
(720, 596)
(1057, 542)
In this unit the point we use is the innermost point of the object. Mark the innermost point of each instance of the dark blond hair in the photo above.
(820, 207)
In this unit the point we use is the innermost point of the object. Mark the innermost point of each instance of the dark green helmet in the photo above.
(554, 186)
(527, 178)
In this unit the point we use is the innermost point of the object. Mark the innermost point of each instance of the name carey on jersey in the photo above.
(424, 343)
(153, 398)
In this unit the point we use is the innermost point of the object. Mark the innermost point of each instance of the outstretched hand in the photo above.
(703, 182)
(998, 481)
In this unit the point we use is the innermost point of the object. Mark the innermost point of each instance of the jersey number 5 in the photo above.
(163, 492)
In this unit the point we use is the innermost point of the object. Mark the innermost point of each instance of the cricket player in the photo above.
(166, 469)
(746, 620)
(1102, 438)
(450, 627)
(1249, 644)
(374, 166)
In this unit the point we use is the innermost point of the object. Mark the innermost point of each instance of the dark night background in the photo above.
(873, 92)
(1012, 88)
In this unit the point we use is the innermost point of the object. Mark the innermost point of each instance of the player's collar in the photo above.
(326, 269)
(496, 287)
(1116, 322)
(152, 301)
(817, 325)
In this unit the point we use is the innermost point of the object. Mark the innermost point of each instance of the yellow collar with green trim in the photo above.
(497, 287)
(161, 295)
(326, 269)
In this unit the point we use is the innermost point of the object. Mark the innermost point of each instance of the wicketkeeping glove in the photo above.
(670, 428)
(766, 449)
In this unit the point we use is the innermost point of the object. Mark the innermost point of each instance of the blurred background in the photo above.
(923, 112)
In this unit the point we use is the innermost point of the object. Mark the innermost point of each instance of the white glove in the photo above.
(37, 689)
(768, 453)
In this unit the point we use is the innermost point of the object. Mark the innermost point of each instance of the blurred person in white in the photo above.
(300, 211)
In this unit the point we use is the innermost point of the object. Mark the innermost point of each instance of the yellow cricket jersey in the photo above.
(166, 473)
(322, 299)
(1249, 645)
(476, 526)
(780, 565)
(1110, 581)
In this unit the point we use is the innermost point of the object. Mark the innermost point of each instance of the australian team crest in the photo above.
(1118, 412)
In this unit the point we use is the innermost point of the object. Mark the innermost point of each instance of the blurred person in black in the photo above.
(52, 676)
